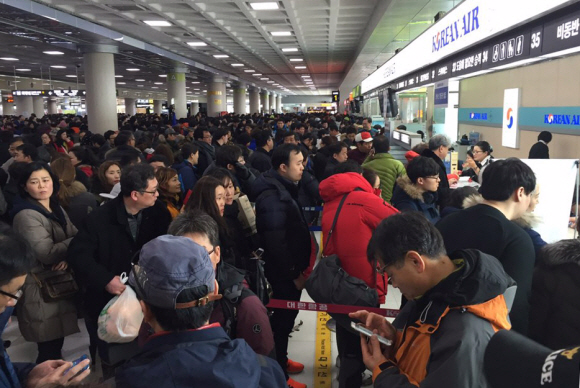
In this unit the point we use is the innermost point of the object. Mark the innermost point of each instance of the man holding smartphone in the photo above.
(456, 303)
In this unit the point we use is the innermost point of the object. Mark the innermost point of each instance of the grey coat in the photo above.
(40, 321)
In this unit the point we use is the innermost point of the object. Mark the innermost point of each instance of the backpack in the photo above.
(231, 280)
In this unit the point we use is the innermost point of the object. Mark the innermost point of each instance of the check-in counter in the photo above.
(405, 139)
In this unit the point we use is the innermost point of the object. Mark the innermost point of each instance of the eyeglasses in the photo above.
(208, 137)
(212, 251)
(382, 270)
(12, 296)
(150, 192)
(478, 152)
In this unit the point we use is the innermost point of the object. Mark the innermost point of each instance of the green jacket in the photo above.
(388, 169)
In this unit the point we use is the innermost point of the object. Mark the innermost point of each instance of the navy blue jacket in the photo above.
(199, 358)
(187, 172)
(406, 197)
(11, 375)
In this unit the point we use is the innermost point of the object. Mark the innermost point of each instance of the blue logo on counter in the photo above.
(562, 119)
(478, 116)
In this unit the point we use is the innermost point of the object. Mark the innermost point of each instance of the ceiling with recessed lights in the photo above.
(285, 46)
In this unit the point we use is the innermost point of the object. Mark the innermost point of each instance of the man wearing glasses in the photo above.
(106, 242)
(438, 150)
(455, 304)
(16, 260)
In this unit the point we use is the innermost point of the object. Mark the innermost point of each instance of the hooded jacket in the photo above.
(407, 197)
(443, 189)
(555, 301)
(282, 228)
(360, 214)
(187, 172)
(388, 169)
(443, 334)
(206, 156)
(486, 228)
(199, 358)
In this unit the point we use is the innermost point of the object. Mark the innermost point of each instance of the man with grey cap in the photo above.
(175, 282)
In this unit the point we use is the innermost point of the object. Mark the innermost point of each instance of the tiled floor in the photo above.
(301, 347)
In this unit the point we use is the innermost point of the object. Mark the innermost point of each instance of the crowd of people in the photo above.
(167, 206)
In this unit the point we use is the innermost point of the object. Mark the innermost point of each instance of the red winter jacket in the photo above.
(361, 213)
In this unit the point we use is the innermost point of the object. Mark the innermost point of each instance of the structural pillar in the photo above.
(176, 93)
(193, 108)
(279, 104)
(272, 102)
(38, 106)
(264, 101)
(240, 99)
(24, 106)
(216, 97)
(52, 107)
(130, 106)
(157, 106)
(254, 100)
(7, 108)
(101, 98)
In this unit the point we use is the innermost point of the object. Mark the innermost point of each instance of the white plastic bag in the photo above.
(121, 318)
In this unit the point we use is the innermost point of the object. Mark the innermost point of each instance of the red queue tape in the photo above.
(329, 308)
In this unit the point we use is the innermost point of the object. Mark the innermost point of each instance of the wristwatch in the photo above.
(386, 365)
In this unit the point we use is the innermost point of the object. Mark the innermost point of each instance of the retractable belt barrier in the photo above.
(328, 308)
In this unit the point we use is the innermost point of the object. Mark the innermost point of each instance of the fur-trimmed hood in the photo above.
(408, 187)
(526, 221)
(561, 252)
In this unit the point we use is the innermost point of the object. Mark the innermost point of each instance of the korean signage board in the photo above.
(66, 93)
(510, 136)
(441, 94)
(17, 93)
(471, 22)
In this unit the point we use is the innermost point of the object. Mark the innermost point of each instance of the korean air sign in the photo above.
(552, 119)
(456, 29)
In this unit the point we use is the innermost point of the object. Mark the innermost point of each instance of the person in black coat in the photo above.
(202, 137)
(308, 194)
(506, 190)
(540, 150)
(285, 237)
(438, 150)
(109, 238)
(555, 302)
(261, 158)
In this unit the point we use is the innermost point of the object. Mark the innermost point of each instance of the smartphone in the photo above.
(78, 361)
(363, 330)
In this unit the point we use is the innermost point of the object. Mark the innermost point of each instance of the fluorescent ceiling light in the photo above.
(118, 76)
(121, 83)
(249, 71)
(158, 83)
(53, 52)
(264, 79)
(296, 59)
(271, 82)
(221, 56)
(154, 87)
(140, 86)
(197, 44)
(9, 59)
(56, 66)
(22, 69)
(132, 69)
(71, 76)
(289, 49)
(270, 5)
(305, 76)
(257, 75)
(68, 32)
(196, 89)
(281, 33)
(237, 64)
(195, 82)
(157, 23)
(140, 80)
(162, 75)
(300, 67)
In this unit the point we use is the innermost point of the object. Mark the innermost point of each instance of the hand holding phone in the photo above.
(363, 330)
(78, 361)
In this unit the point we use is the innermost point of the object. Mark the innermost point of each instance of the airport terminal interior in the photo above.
(173, 171)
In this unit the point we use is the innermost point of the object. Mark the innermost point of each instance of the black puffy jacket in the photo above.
(283, 231)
